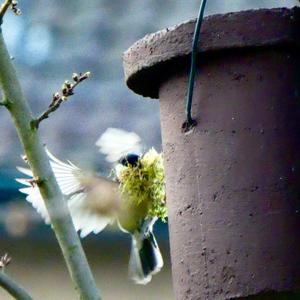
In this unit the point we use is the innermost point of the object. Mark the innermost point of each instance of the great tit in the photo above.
(134, 198)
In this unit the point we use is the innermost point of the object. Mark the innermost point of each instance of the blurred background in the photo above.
(51, 40)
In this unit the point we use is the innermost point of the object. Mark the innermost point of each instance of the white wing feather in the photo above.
(68, 179)
(86, 222)
(34, 197)
(115, 143)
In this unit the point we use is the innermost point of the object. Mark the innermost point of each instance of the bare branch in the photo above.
(39, 163)
(4, 7)
(13, 288)
(8, 284)
(13, 4)
(4, 261)
(67, 90)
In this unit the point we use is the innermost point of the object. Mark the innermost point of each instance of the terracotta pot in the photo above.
(233, 185)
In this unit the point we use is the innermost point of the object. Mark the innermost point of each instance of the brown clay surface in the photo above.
(233, 185)
(147, 61)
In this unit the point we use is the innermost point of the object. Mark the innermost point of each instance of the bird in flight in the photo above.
(134, 197)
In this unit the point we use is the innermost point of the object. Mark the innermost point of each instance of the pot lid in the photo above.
(146, 61)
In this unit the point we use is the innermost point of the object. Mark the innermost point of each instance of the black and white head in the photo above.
(120, 146)
(129, 159)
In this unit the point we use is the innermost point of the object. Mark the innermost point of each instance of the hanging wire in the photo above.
(190, 122)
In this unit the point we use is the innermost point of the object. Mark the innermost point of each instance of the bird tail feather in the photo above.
(145, 258)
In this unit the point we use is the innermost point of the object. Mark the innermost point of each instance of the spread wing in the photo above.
(91, 199)
(115, 143)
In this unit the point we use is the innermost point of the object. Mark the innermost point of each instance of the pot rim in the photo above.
(145, 61)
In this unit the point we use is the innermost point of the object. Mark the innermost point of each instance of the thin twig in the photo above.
(4, 7)
(13, 4)
(4, 261)
(58, 98)
(13, 288)
(8, 284)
